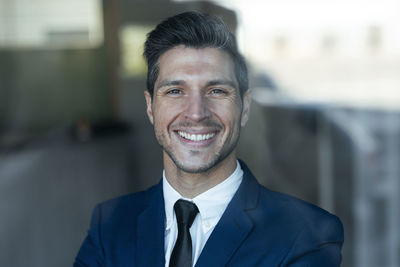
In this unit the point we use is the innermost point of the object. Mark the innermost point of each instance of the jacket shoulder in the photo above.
(302, 233)
(126, 206)
(304, 215)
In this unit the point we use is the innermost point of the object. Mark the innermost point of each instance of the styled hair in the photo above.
(195, 30)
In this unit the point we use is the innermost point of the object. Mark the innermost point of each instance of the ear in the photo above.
(246, 108)
(149, 109)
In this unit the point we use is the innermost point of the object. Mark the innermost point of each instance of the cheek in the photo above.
(159, 120)
(164, 115)
(228, 113)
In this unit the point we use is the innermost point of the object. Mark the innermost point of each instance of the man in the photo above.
(208, 209)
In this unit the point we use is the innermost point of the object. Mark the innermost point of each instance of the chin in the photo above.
(194, 162)
(194, 168)
(195, 165)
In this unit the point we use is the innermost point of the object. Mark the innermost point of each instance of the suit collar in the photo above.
(211, 203)
(234, 225)
(230, 232)
(150, 230)
(249, 190)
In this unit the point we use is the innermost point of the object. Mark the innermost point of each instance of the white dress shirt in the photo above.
(211, 204)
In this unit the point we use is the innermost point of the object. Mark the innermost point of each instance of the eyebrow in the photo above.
(170, 83)
(167, 83)
(222, 82)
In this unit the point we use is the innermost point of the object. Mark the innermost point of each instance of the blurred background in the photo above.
(325, 122)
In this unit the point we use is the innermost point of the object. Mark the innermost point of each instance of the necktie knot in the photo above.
(186, 212)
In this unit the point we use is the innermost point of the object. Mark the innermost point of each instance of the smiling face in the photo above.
(196, 108)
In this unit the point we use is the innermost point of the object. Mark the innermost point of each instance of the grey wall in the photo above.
(41, 89)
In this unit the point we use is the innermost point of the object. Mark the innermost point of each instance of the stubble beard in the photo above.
(217, 158)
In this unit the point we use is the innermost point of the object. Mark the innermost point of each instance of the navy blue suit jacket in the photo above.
(259, 228)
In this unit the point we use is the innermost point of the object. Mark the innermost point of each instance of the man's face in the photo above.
(196, 108)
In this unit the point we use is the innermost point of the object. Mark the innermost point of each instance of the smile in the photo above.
(196, 137)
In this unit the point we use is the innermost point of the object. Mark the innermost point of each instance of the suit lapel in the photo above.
(150, 230)
(234, 225)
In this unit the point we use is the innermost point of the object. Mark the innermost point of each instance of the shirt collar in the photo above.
(211, 203)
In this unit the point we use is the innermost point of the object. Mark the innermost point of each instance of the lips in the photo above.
(196, 137)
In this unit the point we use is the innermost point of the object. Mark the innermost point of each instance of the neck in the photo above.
(190, 185)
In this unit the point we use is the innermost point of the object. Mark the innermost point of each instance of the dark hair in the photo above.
(196, 30)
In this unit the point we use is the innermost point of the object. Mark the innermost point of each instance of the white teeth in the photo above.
(196, 137)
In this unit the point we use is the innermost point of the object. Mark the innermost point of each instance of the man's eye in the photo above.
(174, 91)
(218, 91)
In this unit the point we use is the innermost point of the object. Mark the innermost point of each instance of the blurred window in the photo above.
(132, 38)
(342, 52)
(50, 24)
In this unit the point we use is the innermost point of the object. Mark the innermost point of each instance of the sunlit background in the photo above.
(336, 52)
(325, 122)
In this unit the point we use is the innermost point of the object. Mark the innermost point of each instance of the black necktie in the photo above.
(182, 254)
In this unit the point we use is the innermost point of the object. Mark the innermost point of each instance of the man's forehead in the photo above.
(186, 53)
(183, 60)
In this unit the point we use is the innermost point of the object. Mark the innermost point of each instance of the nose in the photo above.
(197, 108)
